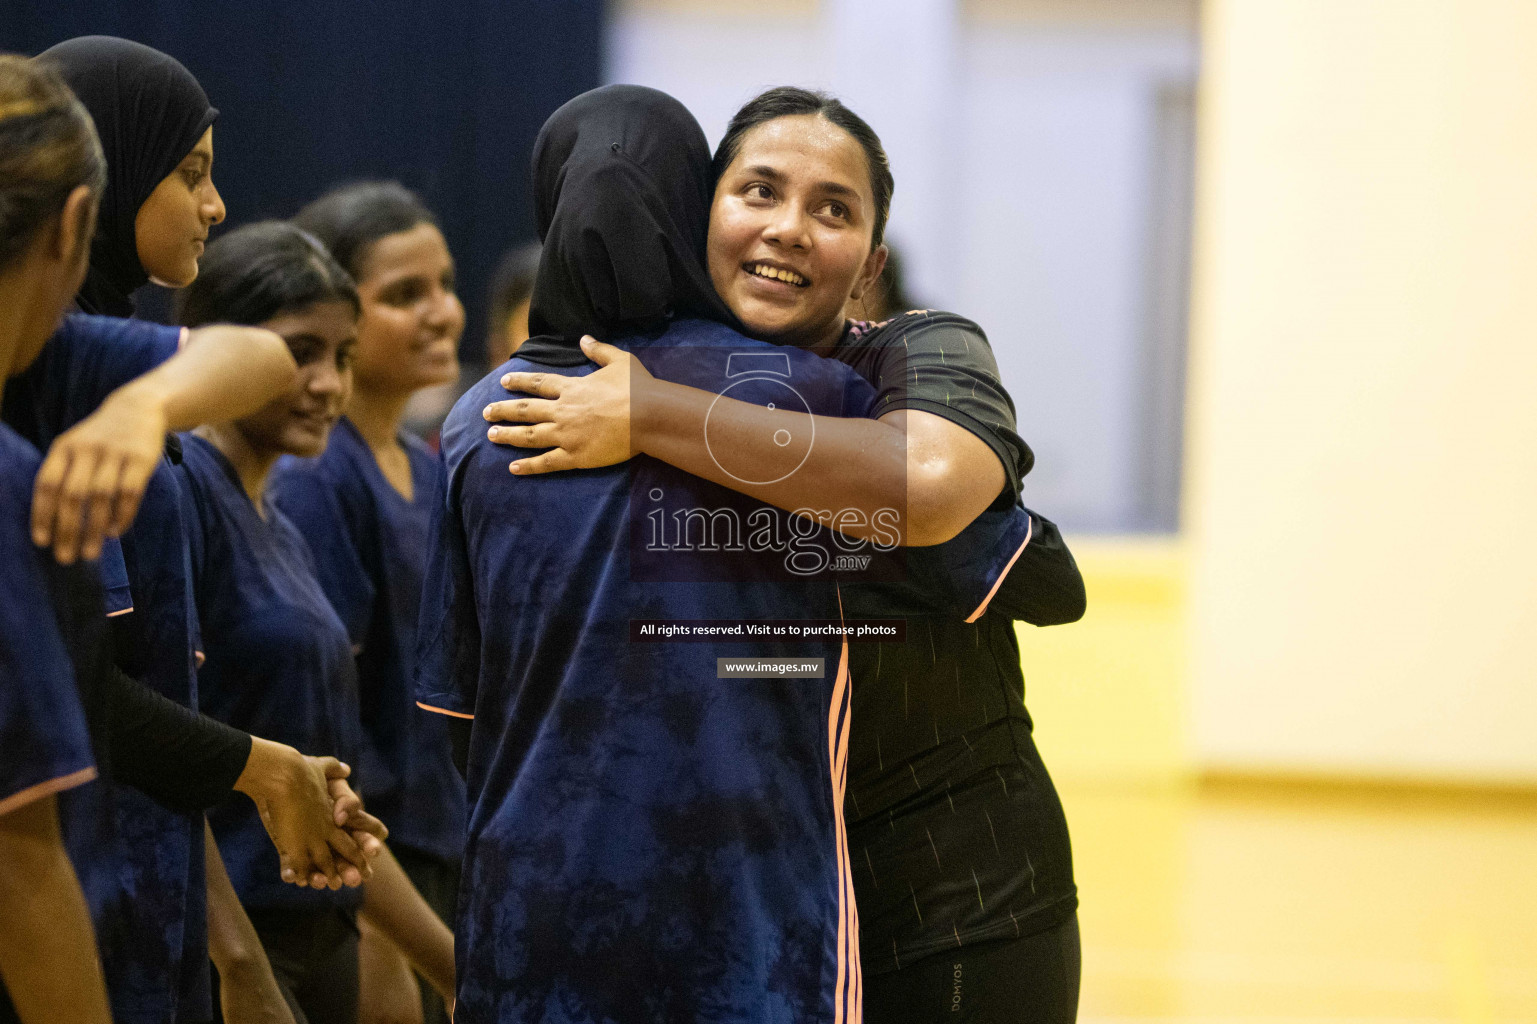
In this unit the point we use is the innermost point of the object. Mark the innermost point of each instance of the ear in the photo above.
(77, 222)
(874, 264)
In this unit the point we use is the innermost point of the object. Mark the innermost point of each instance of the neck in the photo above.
(252, 465)
(377, 415)
(21, 320)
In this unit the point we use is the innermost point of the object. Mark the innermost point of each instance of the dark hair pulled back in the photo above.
(48, 148)
(791, 101)
(256, 272)
(349, 219)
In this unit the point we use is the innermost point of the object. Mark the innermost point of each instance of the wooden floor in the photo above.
(1274, 903)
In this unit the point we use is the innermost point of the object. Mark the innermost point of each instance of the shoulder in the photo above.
(927, 327)
(88, 329)
(19, 462)
(18, 469)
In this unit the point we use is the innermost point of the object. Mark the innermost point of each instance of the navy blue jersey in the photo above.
(279, 664)
(161, 972)
(84, 361)
(370, 547)
(45, 746)
(154, 947)
(646, 841)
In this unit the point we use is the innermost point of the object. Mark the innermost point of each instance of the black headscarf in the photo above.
(149, 113)
(622, 190)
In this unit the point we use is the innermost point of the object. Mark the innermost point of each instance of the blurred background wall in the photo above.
(447, 98)
(1363, 462)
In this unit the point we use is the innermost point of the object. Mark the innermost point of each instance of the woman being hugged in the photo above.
(365, 507)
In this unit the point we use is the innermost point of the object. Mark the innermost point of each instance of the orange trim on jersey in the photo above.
(47, 788)
(198, 657)
(120, 611)
(1030, 529)
(443, 711)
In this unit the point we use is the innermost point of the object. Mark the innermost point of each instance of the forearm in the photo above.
(223, 373)
(184, 760)
(48, 957)
(392, 905)
(669, 425)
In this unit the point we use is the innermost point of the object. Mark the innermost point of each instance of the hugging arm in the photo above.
(936, 472)
(94, 474)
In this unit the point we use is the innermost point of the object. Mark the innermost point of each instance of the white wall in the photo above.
(1363, 458)
(1021, 134)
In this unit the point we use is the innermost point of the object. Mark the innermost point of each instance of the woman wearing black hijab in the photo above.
(155, 123)
(156, 129)
(628, 253)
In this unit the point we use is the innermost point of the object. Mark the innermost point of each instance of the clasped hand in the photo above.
(323, 836)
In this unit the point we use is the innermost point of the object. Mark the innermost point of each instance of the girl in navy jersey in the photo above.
(364, 507)
(279, 659)
(973, 860)
(157, 208)
(50, 172)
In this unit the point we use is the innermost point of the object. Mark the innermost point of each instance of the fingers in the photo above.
(332, 768)
(545, 385)
(527, 435)
(97, 514)
(325, 866)
(521, 410)
(352, 861)
(130, 491)
(360, 821)
(598, 352)
(46, 493)
(344, 802)
(552, 461)
(73, 492)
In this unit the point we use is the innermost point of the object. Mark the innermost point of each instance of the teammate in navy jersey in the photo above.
(157, 206)
(50, 171)
(364, 507)
(48, 958)
(279, 659)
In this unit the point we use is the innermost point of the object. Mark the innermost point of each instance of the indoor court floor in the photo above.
(1261, 901)
(1272, 904)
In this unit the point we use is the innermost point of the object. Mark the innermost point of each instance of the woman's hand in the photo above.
(93, 477)
(293, 795)
(586, 422)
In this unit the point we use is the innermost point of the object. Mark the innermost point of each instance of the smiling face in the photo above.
(408, 336)
(790, 230)
(321, 338)
(171, 227)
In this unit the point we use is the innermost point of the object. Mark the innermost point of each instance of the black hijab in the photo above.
(622, 190)
(149, 113)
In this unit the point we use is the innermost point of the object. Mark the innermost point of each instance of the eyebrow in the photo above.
(201, 158)
(830, 187)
